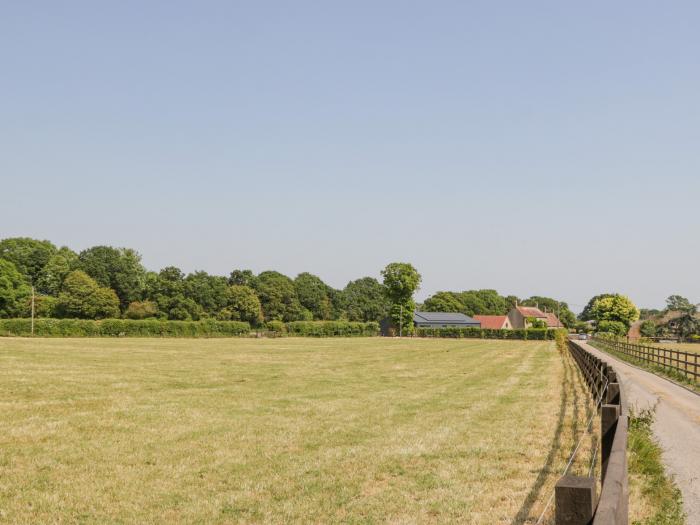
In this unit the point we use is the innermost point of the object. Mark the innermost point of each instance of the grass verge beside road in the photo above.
(654, 499)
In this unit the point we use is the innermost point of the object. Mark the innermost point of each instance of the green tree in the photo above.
(51, 276)
(678, 303)
(365, 300)
(314, 295)
(83, 298)
(615, 308)
(587, 313)
(242, 278)
(28, 255)
(14, 290)
(278, 297)
(687, 323)
(612, 327)
(401, 280)
(116, 268)
(243, 305)
(647, 328)
(211, 292)
(444, 302)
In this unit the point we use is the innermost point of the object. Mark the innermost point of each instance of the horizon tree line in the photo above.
(104, 282)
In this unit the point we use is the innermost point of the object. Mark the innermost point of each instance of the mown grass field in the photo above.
(692, 348)
(283, 430)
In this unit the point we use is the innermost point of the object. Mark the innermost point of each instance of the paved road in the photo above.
(677, 425)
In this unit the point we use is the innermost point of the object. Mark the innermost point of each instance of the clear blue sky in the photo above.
(545, 148)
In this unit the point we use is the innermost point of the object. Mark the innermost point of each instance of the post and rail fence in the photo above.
(686, 364)
(576, 501)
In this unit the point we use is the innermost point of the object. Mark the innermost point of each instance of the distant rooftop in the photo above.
(531, 311)
(494, 322)
(443, 317)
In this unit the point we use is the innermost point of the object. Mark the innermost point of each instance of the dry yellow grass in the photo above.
(284, 430)
(691, 348)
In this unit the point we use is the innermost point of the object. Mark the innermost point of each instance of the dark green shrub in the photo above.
(123, 328)
(332, 328)
(538, 334)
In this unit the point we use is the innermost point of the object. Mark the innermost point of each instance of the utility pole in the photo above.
(558, 314)
(32, 311)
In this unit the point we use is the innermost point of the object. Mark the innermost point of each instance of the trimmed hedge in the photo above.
(535, 334)
(157, 328)
(332, 329)
(122, 328)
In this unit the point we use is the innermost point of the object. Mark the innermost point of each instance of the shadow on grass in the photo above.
(534, 493)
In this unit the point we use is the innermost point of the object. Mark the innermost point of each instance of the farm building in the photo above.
(519, 316)
(443, 320)
(494, 322)
(432, 320)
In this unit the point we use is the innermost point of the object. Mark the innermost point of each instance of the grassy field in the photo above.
(692, 348)
(359, 430)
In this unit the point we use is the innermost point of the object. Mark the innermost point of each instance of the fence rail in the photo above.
(576, 502)
(684, 363)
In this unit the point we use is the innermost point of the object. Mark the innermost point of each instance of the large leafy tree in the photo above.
(51, 276)
(211, 292)
(647, 328)
(587, 313)
(469, 302)
(678, 303)
(612, 327)
(117, 268)
(242, 278)
(167, 289)
(83, 298)
(401, 280)
(365, 299)
(314, 295)
(615, 308)
(14, 290)
(28, 255)
(243, 305)
(444, 302)
(278, 297)
(686, 323)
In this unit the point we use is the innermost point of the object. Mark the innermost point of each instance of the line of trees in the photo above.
(105, 282)
(490, 302)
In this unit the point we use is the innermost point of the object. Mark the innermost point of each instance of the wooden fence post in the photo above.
(613, 397)
(574, 500)
(609, 414)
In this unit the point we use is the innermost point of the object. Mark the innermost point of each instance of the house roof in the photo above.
(443, 317)
(553, 321)
(493, 322)
(531, 311)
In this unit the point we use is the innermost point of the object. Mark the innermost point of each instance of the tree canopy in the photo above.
(83, 298)
(614, 307)
(401, 280)
(365, 300)
(13, 289)
(117, 268)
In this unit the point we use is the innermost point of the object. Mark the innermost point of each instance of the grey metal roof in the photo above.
(443, 317)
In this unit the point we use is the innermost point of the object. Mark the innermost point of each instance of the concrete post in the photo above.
(574, 500)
